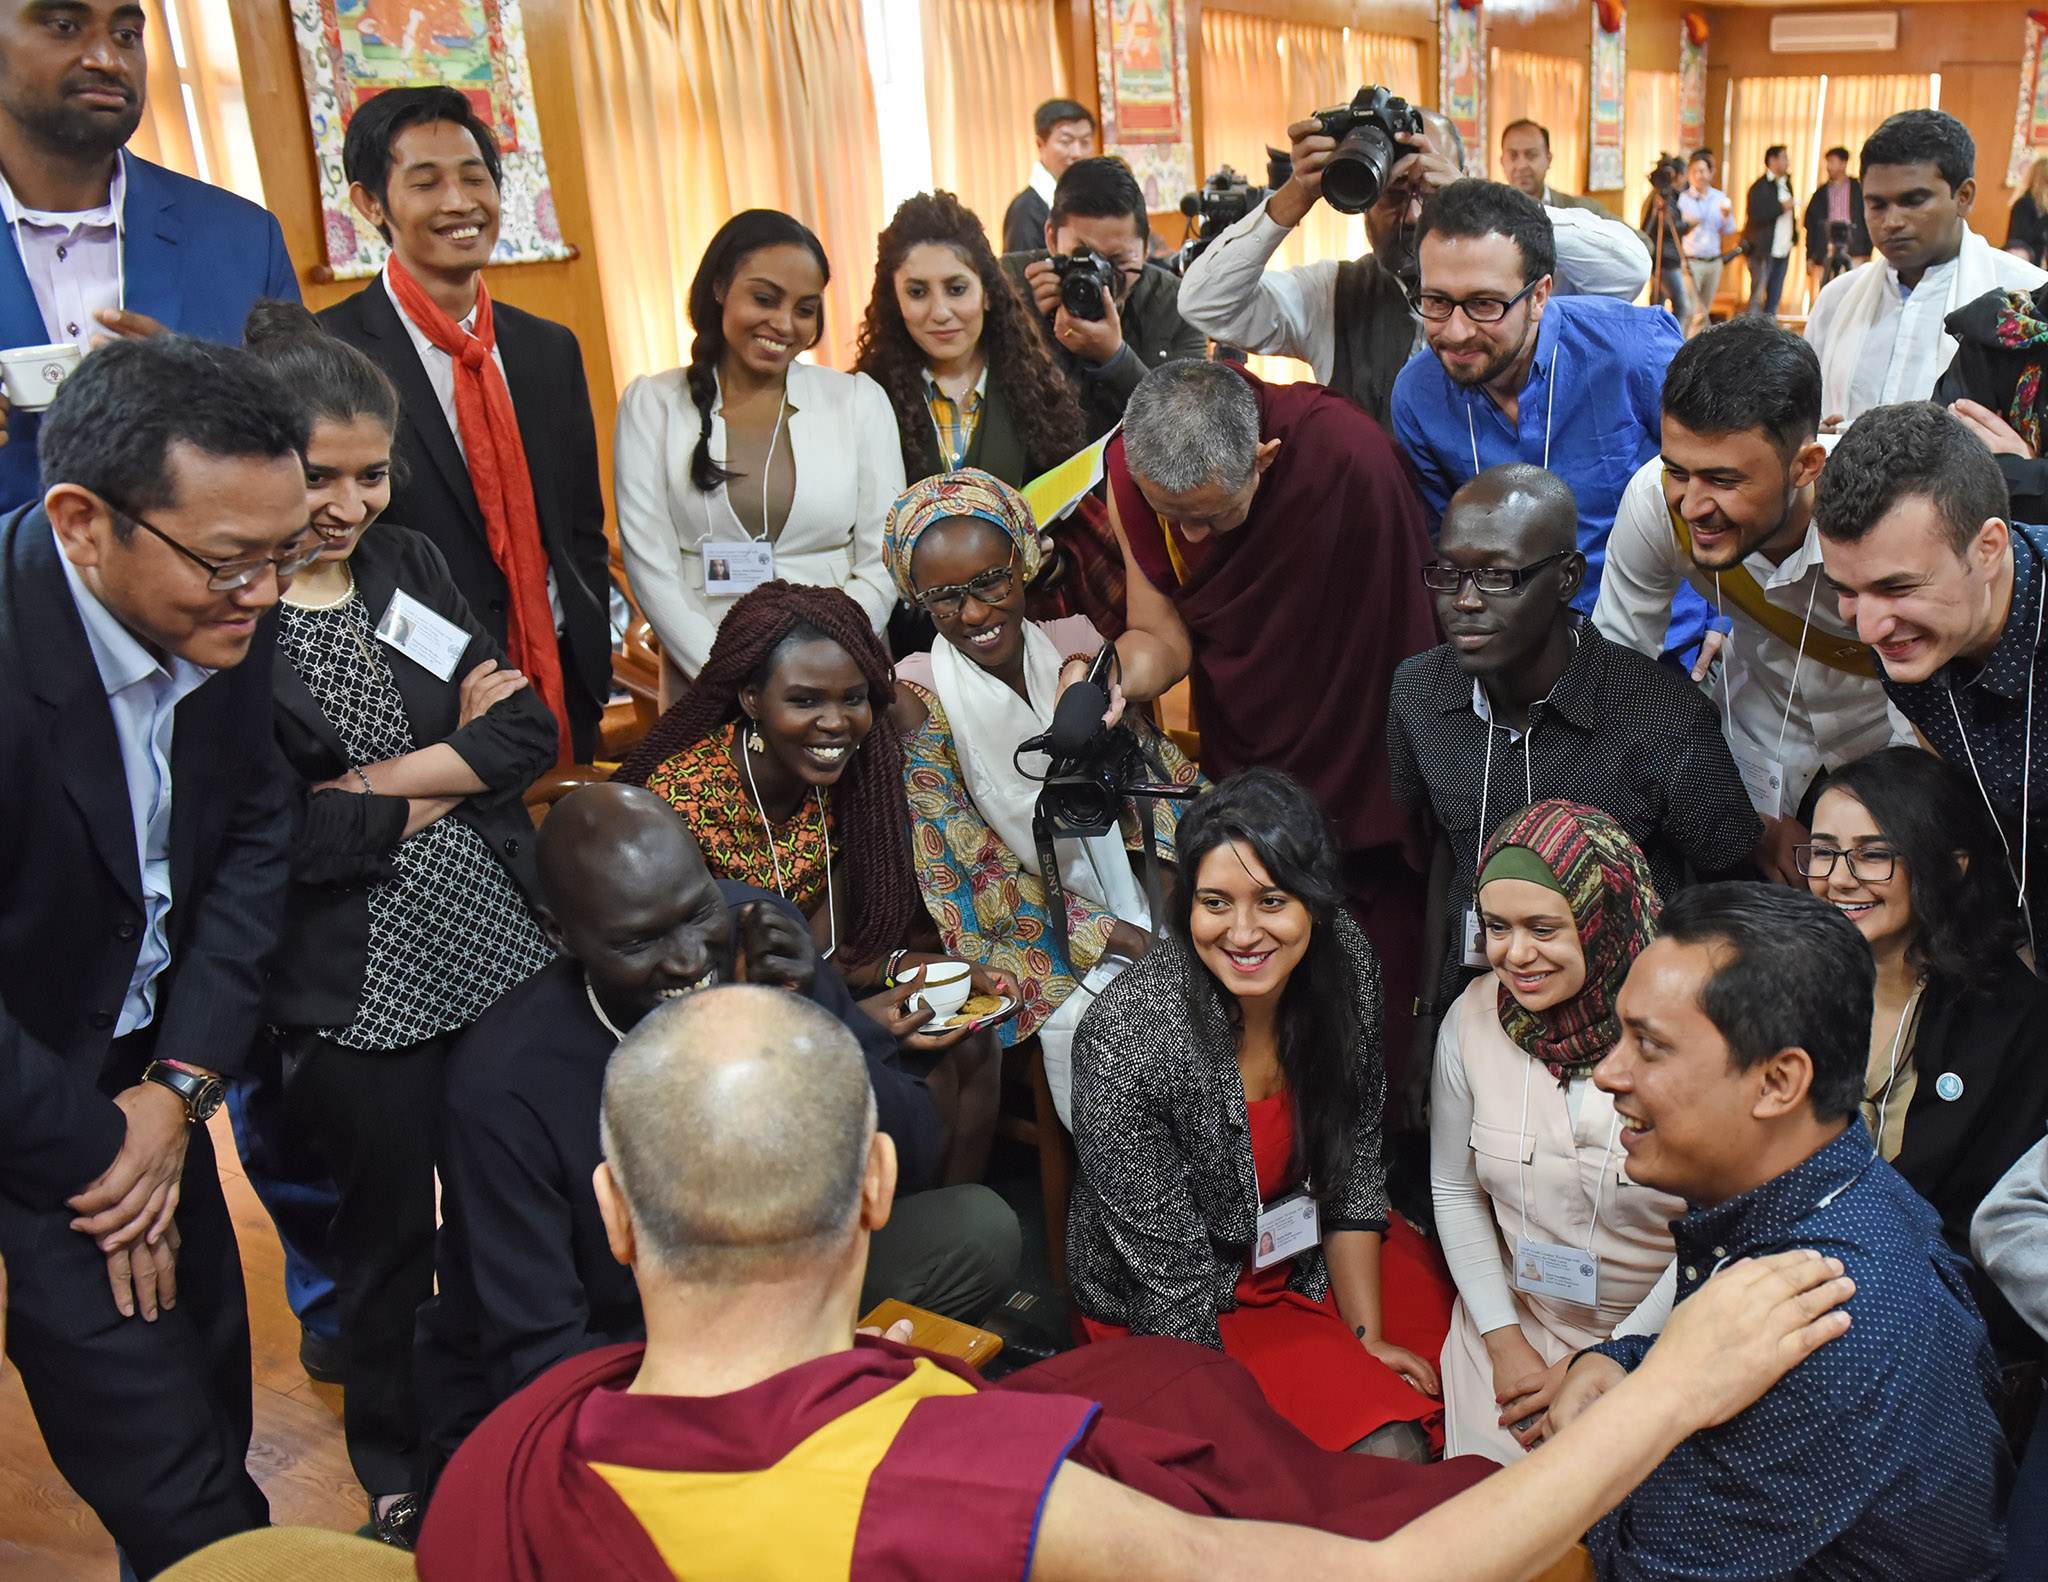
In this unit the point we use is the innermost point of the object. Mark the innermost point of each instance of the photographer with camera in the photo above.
(1107, 317)
(1836, 201)
(1665, 225)
(964, 547)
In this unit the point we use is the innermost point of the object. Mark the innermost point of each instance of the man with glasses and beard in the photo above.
(105, 244)
(1570, 384)
(1727, 509)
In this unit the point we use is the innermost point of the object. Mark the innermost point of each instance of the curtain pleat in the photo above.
(1652, 129)
(1854, 107)
(988, 64)
(1551, 91)
(1772, 110)
(692, 110)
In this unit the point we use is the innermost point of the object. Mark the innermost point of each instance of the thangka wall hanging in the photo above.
(2030, 128)
(352, 49)
(1692, 82)
(1610, 91)
(1461, 72)
(1141, 62)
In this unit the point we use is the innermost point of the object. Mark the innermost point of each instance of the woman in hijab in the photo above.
(963, 547)
(1552, 1247)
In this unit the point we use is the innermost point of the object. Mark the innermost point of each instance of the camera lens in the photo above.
(1357, 172)
(1081, 295)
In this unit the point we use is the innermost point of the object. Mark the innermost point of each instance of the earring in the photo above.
(754, 742)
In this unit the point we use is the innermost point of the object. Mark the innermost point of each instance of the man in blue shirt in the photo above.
(1745, 1031)
(1571, 384)
(1713, 224)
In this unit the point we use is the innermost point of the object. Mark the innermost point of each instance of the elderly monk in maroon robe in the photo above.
(1273, 547)
(754, 1436)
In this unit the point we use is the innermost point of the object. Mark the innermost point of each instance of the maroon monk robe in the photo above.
(1298, 619)
(1179, 1422)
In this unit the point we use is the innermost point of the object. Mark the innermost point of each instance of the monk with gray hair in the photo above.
(756, 1435)
(1273, 547)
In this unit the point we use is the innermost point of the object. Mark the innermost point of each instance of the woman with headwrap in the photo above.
(1552, 1246)
(963, 546)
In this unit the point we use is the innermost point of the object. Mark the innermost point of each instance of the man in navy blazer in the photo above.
(101, 243)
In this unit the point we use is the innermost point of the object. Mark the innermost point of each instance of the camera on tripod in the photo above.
(1224, 199)
(1087, 282)
(1838, 261)
(1367, 131)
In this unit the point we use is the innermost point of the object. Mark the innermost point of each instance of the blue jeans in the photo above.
(1767, 286)
(293, 1190)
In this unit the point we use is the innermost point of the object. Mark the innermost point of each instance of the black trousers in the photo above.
(373, 1117)
(149, 1422)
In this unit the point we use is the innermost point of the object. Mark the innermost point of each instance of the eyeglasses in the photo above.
(1817, 862)
(991, 587)
(225, 576)
(1437, 308)
(1495, 580)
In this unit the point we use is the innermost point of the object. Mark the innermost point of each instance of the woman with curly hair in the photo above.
(786, 763)
(746, 464)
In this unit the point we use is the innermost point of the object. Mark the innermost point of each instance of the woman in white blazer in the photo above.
(748, 465)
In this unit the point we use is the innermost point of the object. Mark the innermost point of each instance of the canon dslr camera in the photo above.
(1367, 131)
(1087, 282)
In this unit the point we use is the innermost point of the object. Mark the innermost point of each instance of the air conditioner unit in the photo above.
(1825, 32)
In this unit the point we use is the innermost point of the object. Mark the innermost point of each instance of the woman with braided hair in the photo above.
(786, 763)
(747, 465)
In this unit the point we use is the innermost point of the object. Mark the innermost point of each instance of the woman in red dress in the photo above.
(1227, 1090)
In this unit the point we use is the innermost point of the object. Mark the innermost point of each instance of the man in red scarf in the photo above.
(496, 445)
(755, 1436)
(1273, 549)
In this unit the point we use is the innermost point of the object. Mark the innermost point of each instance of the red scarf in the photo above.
(504, 488)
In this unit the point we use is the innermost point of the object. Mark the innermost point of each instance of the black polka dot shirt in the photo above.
(1880, 1456)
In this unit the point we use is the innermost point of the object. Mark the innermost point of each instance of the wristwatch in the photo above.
(202, 1091)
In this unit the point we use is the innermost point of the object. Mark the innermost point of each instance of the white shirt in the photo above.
(1230, 295)
(1781, 230)
(143, 696)
(1833, 717)
(72, 259)
(1042, 182)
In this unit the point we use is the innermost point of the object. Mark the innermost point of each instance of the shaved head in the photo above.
(1519, 505)
(736, 1124)
(600, 837)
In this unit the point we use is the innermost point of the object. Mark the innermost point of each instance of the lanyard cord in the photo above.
(1549, 411)
(775, 858)
(767, 468)
(1892, 1078)
(1486, 775)
(1522, 1163)
(1798, 659)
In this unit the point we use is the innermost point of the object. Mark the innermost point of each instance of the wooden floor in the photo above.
(47, 1534)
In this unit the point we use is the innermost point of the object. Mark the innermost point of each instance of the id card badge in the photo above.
(1288, 1227)
(733, 566)
(1564, 1274)
(426, 637)
(1475, 939)
(1763, 778)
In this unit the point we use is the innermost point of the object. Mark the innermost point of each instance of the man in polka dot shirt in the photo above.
(1745, 1031)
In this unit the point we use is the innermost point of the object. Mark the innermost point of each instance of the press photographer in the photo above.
(1106, 315)
(1664, 224)
(1225, 198)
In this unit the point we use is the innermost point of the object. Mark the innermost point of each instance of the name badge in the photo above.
(1564, 1274)
(733, 566)
(1475, 939)
(426, 637)
(1763, 778)
(1288, 1227)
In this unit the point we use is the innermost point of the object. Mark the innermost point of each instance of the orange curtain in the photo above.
(1854, 106)
(1652, 130)
(988, 64)
(1771, 110)
(692, 110)
(195, 119)
(1551, 91)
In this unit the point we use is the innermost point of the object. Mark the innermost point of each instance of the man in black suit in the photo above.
(424, 170)
(143, 837)
(1065, 132)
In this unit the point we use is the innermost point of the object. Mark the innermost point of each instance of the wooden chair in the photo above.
(558, 782)
(290, 1554)
(1024, 1062)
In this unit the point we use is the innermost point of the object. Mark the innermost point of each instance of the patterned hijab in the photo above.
(2021, 328)
(940, 498)
(1607, 885)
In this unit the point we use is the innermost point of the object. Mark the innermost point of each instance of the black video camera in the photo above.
(1838, 261)
(1367, 132)
(1226, 198)
(1666, 174)
(1087, 283)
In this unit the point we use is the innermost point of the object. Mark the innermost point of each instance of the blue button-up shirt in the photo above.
(1591, 410)
(1880, 1456)
(143, 695)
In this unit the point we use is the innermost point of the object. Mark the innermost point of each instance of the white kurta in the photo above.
(1509, 1158)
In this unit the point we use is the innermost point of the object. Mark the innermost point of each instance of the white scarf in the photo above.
(988, 721)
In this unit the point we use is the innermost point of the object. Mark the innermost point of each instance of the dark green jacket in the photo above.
(995, 448)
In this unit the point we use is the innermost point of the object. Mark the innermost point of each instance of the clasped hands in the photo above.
(129, 1210)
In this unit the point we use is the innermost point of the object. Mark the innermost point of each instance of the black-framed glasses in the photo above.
(991, 587)
(225, 576)
(1817, 862)
(1495, 580)
(1437, 308)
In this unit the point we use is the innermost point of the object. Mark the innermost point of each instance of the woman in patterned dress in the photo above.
(783, 758)
(963, 546)
(409, 746)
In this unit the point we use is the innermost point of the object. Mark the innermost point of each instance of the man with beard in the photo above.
(1507, 348)
(1352, 322)
(1728, 508)
(105, 244)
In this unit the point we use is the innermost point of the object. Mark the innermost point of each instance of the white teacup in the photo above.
(31, 374)
(946, 987)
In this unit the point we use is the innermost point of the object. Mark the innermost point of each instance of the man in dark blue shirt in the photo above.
(1745, 1034)
(1919, 545)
